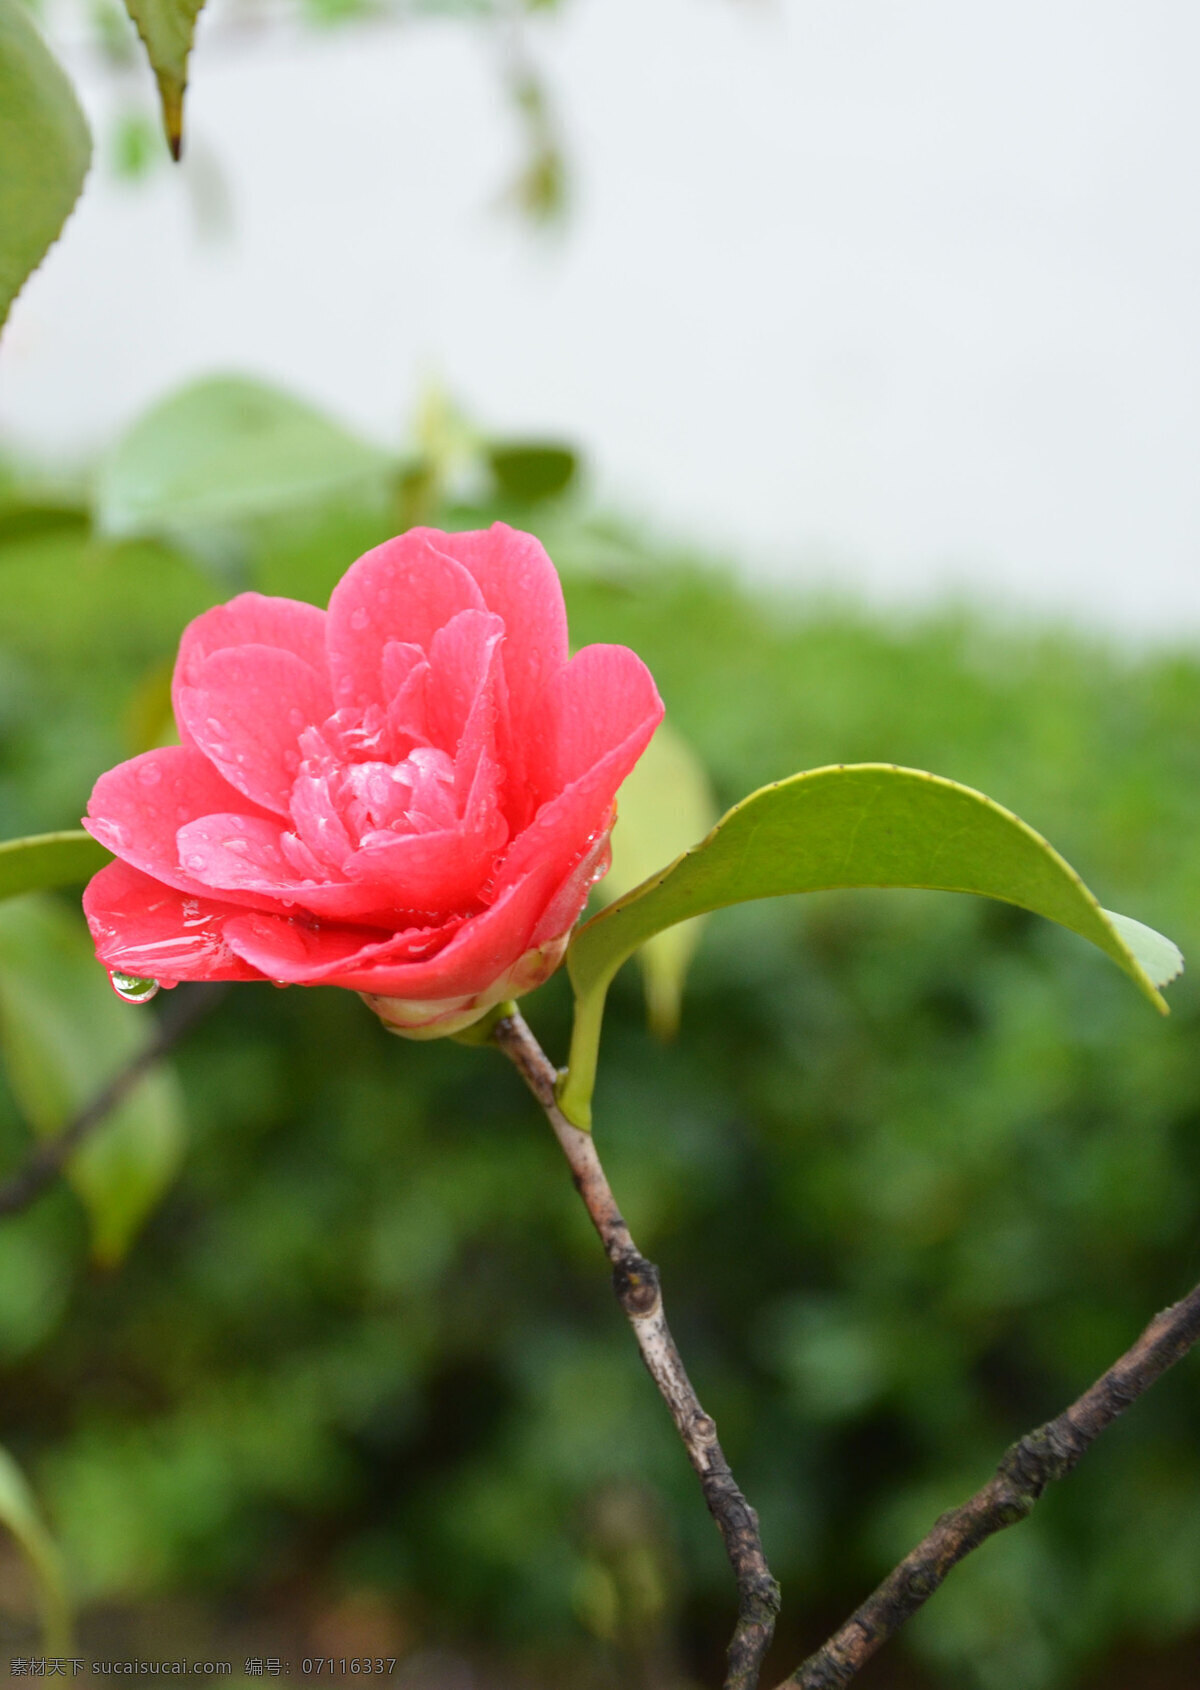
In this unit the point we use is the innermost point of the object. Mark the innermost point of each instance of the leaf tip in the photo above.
(170, 91)
(1157, 958)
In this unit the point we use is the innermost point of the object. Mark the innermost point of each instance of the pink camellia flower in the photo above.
(408, 795)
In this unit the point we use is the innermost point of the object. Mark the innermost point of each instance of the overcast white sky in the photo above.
(899, 293)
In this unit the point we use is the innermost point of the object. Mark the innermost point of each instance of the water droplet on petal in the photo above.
(196, 860)
(149, 774)
(131, 988)
(359, 620)
(296, 718)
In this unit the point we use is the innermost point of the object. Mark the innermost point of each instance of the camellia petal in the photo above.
(249, 619)
(518, 582)
(567, 826)
(566, 906)
(238, 854)
(152, 931)
(478, 952)
(440, 871)
(137, 809)
(463, 660)
(246, 712)
(324, 953)
(604, 696)
(404, 590)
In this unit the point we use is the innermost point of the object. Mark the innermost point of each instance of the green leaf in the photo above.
(167, 28)
(869, 825)
(63, 1035)
(530, 471)
(44, 860)
(224, 452)
(45, 150)
(20, 1515)
(664, 806)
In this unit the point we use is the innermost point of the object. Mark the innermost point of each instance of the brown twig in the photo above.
(189, 1006)
(636, 1283)
(1037, 1460)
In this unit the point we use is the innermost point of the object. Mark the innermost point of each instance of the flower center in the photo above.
(415, 795)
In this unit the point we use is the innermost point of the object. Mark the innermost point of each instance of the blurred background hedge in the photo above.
(915, 1171)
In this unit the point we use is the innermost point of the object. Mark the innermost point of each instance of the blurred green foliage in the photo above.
(917, 1168)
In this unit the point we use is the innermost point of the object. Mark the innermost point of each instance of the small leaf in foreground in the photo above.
(866, 825)
(63, 1034)
(19, 1514)
(665, 805)
(45, 149)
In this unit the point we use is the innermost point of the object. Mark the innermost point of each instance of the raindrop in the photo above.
(149, 774)
(133, 990)
(359, 620)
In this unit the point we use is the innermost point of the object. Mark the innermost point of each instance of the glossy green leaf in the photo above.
(20, 1515)
(64, 1033)
(167, 29)
(664, 806)
(224, 452)
(870, 825)
(45, 149)
(45, 860)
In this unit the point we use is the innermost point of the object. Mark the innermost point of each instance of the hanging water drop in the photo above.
(133, 990)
